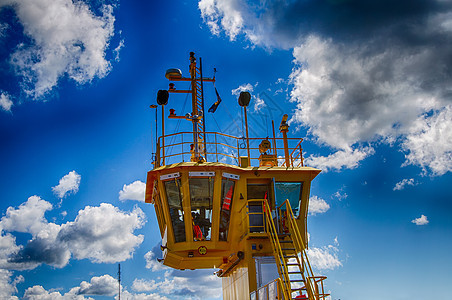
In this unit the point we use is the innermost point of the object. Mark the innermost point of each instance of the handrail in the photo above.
(279, 255)
(312, 287)
(221, 147)
(277, 282)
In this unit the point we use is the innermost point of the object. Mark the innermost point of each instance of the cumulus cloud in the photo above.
(61, 38)
(8, 285)
(402, 184)
(325, 258)
(38, 292)
(102, 234)
(342, 159)
(68, 184)
(317, 206)
(197, 284)
(422, 220)
(5, 101)
(134, 191)
(151, 259)
(373, 72)
(102, 285)
(429, 143)
(27, 218)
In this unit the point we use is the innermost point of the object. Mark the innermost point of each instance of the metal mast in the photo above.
(119, 281)
(197, 116)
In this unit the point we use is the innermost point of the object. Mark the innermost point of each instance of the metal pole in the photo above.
(202, 106)
(274, 139)
(119, 281)
(163, 134)
(247, 139)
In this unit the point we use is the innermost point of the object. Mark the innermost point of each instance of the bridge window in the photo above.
(174, 197)
(291, 191)
(227, 192)
(201, 201)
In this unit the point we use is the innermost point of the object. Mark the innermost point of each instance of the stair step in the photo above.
(287, 249)
(292, 265)
(299, 289)
(297, 280)
(285, 242)
(290, 256)
(294, 272)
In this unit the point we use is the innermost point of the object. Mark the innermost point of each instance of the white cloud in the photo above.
(133, 191)
(401, 185)
(259, 104)
(422, 220)
(37, 292)
(68, 184)
(377, 86)
(102, 285)
(143, 285)
(5, 101)
(151, 261)
(28, 218)
(102, 234)
(197, 284)
(243, 88)
(348, 159)
(340, 195)
(429, 142)
(67, 39)
(317, 205)
(8, 286)
(117, 50)
(224, 15)
(142, 296)
(324, 258)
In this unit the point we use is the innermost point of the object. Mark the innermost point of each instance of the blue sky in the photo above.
(366, 83)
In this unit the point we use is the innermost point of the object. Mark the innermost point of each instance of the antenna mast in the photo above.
(119, 281)
(197, 116)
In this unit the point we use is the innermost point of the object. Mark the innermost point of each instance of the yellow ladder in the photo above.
(291, 258)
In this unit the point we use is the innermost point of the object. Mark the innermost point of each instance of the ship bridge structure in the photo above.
(238, 205)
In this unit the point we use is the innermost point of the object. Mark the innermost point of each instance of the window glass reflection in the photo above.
(201, 201)
(174, 197)
(227, 192)
(291, 191)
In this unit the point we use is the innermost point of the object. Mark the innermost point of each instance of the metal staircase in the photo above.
(296, 276)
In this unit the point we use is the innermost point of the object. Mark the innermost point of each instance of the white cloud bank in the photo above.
(102, 234)
(66, 39)
(134, 191)
(422, 220)
(68, 184)
(374, 86)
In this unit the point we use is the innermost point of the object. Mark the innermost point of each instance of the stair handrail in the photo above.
(282, 268)
(312, 281)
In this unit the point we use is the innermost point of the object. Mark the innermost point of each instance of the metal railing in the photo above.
(270, 291)
(314, 284)
(224, 148)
